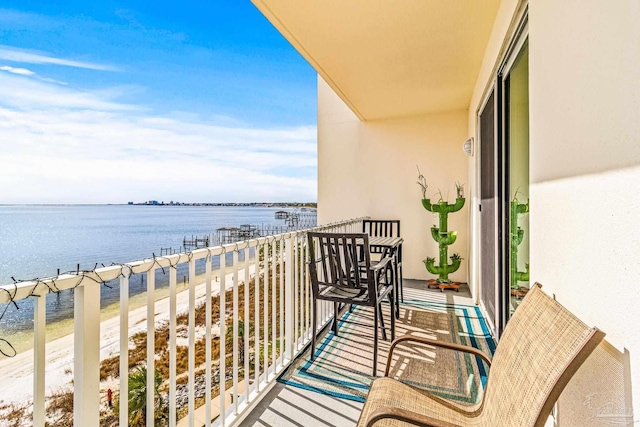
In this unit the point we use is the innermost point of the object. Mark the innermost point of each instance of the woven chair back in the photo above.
(541, 348)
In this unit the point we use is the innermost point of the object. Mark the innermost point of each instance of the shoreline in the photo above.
(18, 370)
(23, 341)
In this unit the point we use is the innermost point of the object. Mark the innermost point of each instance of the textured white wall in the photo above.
(585, 164)
(369, 169)
(585, 169)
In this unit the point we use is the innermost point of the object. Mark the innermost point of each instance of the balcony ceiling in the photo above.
(390, 58)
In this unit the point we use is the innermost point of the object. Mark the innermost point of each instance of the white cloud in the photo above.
(61, 145)
(21, 71)
(9, 53)
(28, 93)
(28, 73)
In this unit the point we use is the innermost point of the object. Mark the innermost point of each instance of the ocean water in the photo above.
(37, 241)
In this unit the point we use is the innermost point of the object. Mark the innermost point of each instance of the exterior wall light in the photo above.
(467, 147)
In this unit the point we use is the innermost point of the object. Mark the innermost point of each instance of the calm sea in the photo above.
(36, 241)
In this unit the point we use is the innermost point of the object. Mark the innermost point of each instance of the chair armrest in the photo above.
(406, 416)
(442, 344)
(381, 264)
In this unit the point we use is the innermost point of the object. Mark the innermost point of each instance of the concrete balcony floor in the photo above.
(287, 406)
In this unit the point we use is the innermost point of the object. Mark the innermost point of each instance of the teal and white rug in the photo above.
(343, 363)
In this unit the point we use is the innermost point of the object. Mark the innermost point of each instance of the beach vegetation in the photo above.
(109, 367)
(138, 398)
(14, 414)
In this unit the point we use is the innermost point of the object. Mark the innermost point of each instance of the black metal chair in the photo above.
(387, 228)
(341, 272)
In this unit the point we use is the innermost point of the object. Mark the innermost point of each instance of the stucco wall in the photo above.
(584, 65)
(369, 169)
(585, 166)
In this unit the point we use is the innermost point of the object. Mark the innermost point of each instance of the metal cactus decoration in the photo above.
(517, 234)
(441, 234)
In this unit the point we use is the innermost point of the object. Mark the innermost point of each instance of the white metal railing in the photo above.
(273, 331)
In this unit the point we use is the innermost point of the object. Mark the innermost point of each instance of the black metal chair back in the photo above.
(341, 260)
(381, 227)
(386, 228)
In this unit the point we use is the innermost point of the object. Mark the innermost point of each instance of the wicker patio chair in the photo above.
(542, 347)
(341, 272)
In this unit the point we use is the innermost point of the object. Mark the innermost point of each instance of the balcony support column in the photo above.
(39, 355)
(86, 362)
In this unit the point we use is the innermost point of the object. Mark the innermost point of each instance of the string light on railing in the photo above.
(126, 271)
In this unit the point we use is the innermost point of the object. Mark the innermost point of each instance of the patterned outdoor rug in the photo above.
(343, 364)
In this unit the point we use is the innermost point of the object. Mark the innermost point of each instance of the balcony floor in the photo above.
(286, 406)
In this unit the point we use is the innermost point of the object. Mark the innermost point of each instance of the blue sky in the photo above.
(138, 100)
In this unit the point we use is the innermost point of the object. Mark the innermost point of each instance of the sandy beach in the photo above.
(18, 371)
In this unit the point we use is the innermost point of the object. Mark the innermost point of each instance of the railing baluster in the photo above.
(283, 313)
(256, 318)
(223, 330)
(86, 357)
(124, 347)
(192, 342)
(274, 317)
(235, 332)
(307, 283)
(288, 312)
(245, 339)
(265, 341)
(151, 340)
(172, 346)
(39, 355)
(296, 287)
(208, 357)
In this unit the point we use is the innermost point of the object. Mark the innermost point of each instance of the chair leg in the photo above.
(401, 286)
(336, 309)
(379, 311)
(313, 329)
(375, 340)
(393, 318)
(395, 308)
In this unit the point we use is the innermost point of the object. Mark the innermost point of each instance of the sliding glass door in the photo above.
(516, 135)
(504, 186)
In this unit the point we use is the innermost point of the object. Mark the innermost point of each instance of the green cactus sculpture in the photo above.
(444, 238)
(517, 234)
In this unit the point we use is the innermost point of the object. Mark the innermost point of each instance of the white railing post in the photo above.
(265, 340)
(208, 357)
(151, 346)
(223, 332)
(283, 312)
(256, 317)
(86, 362)
(247, 322)
(308, 298)
(234, 320)
(172, 345)
(297, 294)
(192, 343)
(124, 347)
(289, 313)
(274, 303)
(39, 324)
